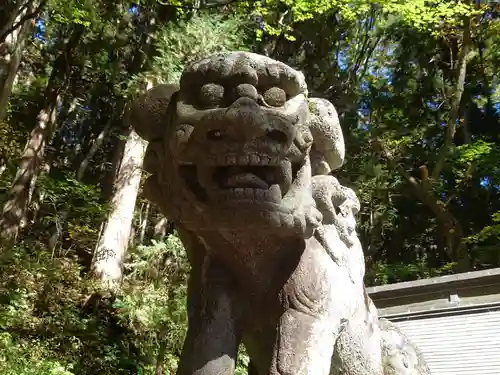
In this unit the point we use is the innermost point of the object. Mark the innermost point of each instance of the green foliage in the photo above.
(81, 12)
(180, 44)
(204, 34)
(54, 320)
(474, 152)
(153, 304)
(388, 273)
(65, 191)
(485, 242)
(483, 155)
(72, 206)
(429, 16)
(17, 359)
(282, 17)
(39, 312)
(10, 144)
(242, 362)
(489, 231)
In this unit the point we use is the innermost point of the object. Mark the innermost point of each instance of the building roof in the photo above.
(445, 293)
(467, 280)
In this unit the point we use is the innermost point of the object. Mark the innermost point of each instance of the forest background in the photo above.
(416, 85)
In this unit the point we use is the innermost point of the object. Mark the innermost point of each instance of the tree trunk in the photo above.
(14, 210)
(160, 358)
(455, 100)
(160, 229)
(57, 231)
(112, 246)
(450, 227)
(107, 262)
(93, 149)
(144, 224)
(16, 25)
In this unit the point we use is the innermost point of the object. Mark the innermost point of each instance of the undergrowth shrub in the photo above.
(54, 320)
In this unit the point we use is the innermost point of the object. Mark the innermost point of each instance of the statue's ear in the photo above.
(328, 146)
(149, 115)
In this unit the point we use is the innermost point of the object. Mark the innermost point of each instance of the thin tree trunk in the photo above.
(14, 13)
(456, 99)
(36, 196)
(15, 208)
(93, 149)
(112, 246)
(111, 249)
(144, 224)
(160, 358)
(451, 228)
(16, 28)
(160, 229)
(58, 227)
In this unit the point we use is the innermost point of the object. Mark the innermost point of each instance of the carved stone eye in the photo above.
(211, 94)
(215, 135)
(275, 96)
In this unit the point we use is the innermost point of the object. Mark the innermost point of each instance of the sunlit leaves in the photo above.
(423, 15)
(474, 152)
(485, 242)
(430, 16)
(181, 43)
(81, 12)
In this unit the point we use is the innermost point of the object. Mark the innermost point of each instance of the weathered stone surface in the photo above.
(239, 158)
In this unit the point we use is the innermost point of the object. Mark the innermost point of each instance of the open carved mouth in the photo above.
(237, 176)
(238, 181)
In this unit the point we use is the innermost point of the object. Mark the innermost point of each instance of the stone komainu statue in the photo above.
(240, 159)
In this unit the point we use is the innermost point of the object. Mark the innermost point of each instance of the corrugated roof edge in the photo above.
(461, 280)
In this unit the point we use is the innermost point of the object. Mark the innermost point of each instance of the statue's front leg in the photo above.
(213, 336)
(305, 344)
(317, 304)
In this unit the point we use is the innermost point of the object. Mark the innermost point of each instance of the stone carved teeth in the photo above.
(254, 159)
(265, 160)
(251, 159)
(273, 194)
(260, 194)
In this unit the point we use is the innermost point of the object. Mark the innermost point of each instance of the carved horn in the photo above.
(148, 114)
(328, 150)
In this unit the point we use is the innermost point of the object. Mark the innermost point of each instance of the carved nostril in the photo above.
(215, 135)
(277, 136)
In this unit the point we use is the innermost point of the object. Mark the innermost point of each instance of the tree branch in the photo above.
(452, 229)
(212, 4)
(456, 99)
(27, 16)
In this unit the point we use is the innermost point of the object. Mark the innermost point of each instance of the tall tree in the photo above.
(14, 210)
(16, 19)
(193, 38)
